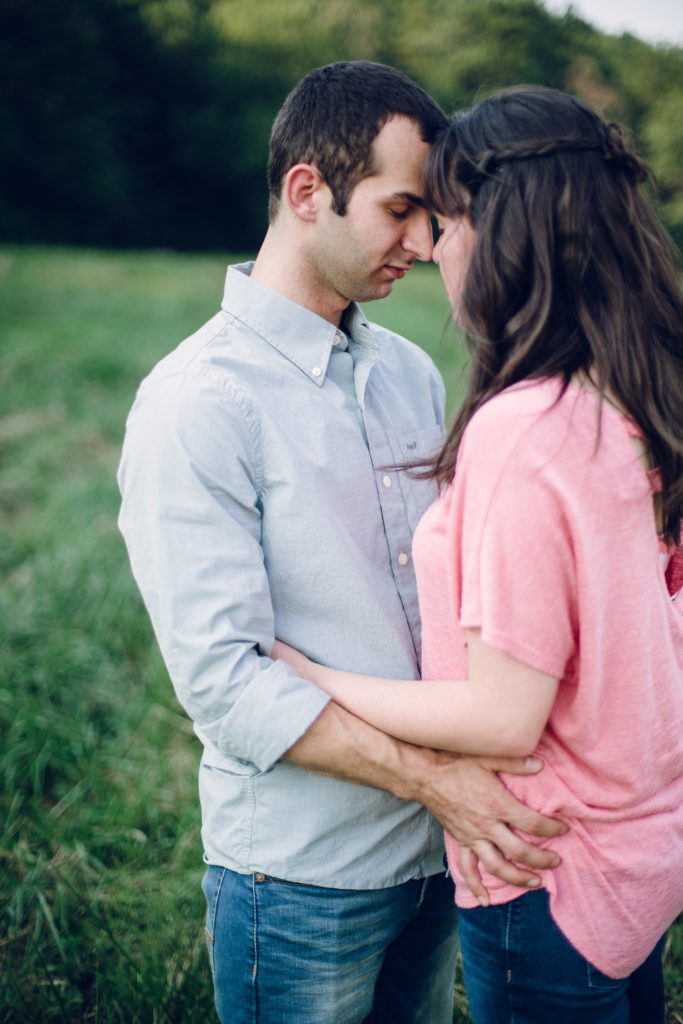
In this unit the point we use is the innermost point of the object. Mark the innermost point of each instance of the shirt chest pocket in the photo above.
(415, 448)
(421, 444)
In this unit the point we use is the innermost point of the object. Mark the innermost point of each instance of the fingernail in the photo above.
(484, 900)
(533, 883)
(533, 763)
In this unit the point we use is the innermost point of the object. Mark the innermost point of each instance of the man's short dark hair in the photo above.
(333, 116)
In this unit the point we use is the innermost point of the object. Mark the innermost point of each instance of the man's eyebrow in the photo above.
(408, 197)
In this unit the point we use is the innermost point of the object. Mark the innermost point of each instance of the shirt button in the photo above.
(386, 480)
(337, 341)
(403, 558)
(316, 371)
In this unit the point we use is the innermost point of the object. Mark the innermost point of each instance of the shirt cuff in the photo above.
(271, 714)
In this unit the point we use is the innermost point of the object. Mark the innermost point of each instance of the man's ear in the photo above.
(303, 191)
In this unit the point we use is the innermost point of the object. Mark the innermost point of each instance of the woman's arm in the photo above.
(500, 710)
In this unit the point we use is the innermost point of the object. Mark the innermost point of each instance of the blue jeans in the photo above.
(287, 953)
(520, 969)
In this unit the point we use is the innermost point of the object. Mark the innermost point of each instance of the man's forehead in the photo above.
(399, 153)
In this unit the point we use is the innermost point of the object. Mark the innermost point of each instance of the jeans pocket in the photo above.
(596, 979)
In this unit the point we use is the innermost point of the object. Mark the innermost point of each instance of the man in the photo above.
(259, 501)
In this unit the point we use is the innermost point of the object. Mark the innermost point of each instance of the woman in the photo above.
(548, 625)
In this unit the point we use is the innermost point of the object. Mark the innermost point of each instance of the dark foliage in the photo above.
(112, 135)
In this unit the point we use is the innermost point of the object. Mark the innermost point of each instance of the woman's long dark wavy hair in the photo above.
(571, 269)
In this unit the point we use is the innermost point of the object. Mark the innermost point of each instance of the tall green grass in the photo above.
(100, 855)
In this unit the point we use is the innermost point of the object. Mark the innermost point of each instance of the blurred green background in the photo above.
(145, 122)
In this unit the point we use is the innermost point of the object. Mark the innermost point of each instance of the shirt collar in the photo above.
(300, 335)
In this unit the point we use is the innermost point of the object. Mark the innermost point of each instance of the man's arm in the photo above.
(464, 794)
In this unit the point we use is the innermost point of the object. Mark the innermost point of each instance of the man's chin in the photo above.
(378, 289)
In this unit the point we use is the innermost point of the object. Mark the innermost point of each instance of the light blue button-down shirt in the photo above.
(259, 501)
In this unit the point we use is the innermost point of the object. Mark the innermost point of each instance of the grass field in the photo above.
(100, 857)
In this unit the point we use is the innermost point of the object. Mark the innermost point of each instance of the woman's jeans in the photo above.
(286, 953)
(520, 969)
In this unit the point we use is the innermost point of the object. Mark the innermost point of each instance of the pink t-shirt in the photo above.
(546, 540)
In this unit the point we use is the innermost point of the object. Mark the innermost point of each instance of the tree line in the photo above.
(130, 123)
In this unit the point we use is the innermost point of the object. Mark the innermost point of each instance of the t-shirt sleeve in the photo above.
(517, 561)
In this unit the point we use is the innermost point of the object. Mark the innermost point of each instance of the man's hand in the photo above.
(466, 796)
(463, 793)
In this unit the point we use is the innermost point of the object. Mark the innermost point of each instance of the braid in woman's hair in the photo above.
(611, 145)
(617, 153)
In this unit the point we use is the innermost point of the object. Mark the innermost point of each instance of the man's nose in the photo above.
(418, 237)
